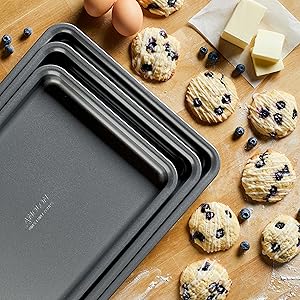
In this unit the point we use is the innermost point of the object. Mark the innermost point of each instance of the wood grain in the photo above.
(252, 276)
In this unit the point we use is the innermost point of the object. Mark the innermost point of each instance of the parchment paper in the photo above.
(212, 19)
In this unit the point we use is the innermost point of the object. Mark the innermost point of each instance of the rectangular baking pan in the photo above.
(77, 184)
(207, 154)
(186, 162)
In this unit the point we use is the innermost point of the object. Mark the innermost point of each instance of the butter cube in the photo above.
(243, 23)
(263, 67)
(268, 45)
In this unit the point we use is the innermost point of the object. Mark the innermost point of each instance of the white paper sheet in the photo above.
(212, 19)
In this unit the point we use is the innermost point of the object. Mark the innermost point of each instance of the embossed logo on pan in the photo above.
(37, 212)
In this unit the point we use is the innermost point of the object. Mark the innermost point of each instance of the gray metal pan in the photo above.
(76, 185)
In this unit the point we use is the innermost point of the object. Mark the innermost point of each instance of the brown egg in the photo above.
(97, 8)
(127, 17)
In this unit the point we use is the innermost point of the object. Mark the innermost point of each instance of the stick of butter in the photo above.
(263, 67)
(268, 45)
(243, 23)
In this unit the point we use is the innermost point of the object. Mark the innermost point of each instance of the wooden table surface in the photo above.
(157, 276)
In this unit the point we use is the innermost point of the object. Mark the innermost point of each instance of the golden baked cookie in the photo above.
(281, 239)
(162, 7)
(268, 177)
(214, 227)
(204, 280)
(154, 54)
(211, 97)
(273, 113)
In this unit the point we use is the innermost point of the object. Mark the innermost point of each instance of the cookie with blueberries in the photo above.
(154, 54)
(281, 239)
(214, 227)
(274, 113)
(205, 279)
(211, 97)
(268, 176)
(161, 7)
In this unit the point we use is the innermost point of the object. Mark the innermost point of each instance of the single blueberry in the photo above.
(226, 99)
(211, 297)
(275, 247)
(251, 143)
(204, 207)
(9, 49)
(167, 46)
(278, 118)
(153, 6)
(278, 175)
(209, 74)
(298, 244)
(280, 104)
(273, 190)
(245, 213)
(264, 113)
(238, 132)
(213, 58)
(220, 233)
(285, 170)
(172, 3)
(205, 267)
(185, 293)
(244, 245)
(239, 69)
(203, 51)
(197, 102)
(209, 215)
(199, 236)
(299, 228)
(146, 68)
(221, 289)
(6, 40)
(219, 110)
(228, 213)
(151, 45)
(174, 55)
(260, 163)
(279, 225)
(163, 33)
(27, 32)
(295, 114)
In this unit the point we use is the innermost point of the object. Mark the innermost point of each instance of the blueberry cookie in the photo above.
(162, 7)
(211, 97)
(214, 227)
(273, 113)
(268, 177)
(154, 54)
(204, 280)
(281, 239)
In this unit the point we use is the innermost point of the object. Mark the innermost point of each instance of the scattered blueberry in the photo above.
(163, 33)
(172, 3)
(219, 110)
(153, 6)
(9, 49)
(213, 58)
(6, 40)
(279, 225)
(197, 102)
(251, 143)
(264, 113)
(199, 236)
(203, 51)
(245, 246)
(185, 293)
(239, 69)
(209, 74)
(146, 68)
(238, 132)
(280, 105)
(27, 32)
(209, 215)
(278, 118)
(220, 233)
(245, 214)
(295, 114)
(275, 247)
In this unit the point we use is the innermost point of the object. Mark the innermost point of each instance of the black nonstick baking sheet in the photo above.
(158, 112)
(76, 186)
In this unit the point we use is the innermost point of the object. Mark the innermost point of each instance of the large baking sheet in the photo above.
(76, 186)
